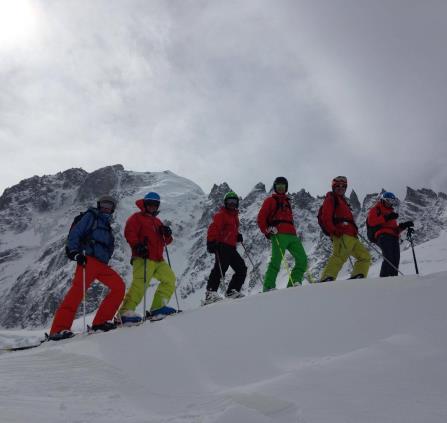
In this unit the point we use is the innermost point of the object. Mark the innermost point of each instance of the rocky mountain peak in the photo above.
(99, 182)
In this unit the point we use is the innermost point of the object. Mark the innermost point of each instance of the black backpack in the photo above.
(86, 238)
(320, 215)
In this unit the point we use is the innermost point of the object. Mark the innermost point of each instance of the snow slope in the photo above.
(355, 351)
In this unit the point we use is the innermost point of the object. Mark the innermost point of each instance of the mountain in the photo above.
(36, 213)
(371, 350)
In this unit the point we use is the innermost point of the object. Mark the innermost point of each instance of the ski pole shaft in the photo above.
(283, 259)
(379, 252)
(344, 245)
(410, 238)
(169, 262)
(251, 261)
(144, 280)
(83, 294)
(220, 268)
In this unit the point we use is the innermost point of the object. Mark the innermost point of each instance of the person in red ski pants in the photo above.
(91, 244)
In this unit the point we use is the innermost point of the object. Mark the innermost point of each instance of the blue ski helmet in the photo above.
(152, 196)
(152, 199)
(389, 198)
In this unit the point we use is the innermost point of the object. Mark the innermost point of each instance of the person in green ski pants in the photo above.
(275, 220)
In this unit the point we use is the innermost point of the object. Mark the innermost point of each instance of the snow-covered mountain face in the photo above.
(35, 216)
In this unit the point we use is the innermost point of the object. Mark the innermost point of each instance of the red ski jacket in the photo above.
(276, 211)
(143, 225)
(225, 227)
(342, 219)
(376, 217)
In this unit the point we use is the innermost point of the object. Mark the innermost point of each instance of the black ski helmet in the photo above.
(106, 199)
(281, 180)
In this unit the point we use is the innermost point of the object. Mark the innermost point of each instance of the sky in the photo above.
(234, 91)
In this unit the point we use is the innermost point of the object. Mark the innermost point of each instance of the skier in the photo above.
(147, 236)
(223, 236)
(275, 220)
(338, 221)
(382, 218)
(91, 244)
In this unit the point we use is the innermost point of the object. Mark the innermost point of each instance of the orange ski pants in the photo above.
(94, 269)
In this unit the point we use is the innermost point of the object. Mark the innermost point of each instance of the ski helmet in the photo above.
(106, 201)
(231, 195)
(340, 180)
(280, 180)
(389, 198)
(151, 198)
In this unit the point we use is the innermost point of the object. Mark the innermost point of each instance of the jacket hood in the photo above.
(140, 204)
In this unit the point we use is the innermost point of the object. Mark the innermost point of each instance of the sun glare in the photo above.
(18, 22)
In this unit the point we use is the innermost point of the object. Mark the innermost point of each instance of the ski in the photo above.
(158, 317)
(24, 347)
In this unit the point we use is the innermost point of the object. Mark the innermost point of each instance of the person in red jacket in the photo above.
(338, 221)
(382, 218)
(275, 220)
(223, 236)
(147, 237)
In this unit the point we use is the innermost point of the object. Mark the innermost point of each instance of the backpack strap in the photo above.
(279, 205)
(340, 219)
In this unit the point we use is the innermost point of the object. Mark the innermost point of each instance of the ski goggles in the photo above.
(340, 182)
(231, 202)
(106, 205)
(339, 186)
(151, 203)
(280, 187)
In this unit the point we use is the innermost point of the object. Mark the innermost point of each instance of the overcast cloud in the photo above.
(237, 91)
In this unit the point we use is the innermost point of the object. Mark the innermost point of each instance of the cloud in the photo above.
(231, 91)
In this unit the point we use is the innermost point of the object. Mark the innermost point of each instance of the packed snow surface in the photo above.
(350, 351)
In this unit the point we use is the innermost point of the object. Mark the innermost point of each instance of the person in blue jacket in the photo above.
(91, 244)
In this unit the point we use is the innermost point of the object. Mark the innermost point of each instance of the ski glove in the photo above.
(80, 258)
(406, 225)
(141, 250)
(240, 238)
(212, 246)
(271, 230)
(165, 231)
(391, 216)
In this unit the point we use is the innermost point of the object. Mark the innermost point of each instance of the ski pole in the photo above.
(252, 264)
(83, 292)
(410, 238)
(220, 268)
(169, 262)
(286, 265)
(349, 257)
(144, 280)
(379, 252)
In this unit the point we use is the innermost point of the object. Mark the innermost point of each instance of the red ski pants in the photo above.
(94, 269)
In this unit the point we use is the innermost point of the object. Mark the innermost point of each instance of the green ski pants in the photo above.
(281, 243)
(342, 248)
(159, 270)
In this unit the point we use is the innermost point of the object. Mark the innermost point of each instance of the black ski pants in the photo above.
(389, 245)
(227, 256)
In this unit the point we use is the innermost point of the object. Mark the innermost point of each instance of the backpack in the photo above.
(274, 222)
(86, 238)
(320, 215)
